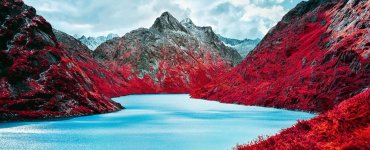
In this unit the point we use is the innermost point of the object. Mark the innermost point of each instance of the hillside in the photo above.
(38, 78)
(109, 83)
(169, 57)
(312, 60)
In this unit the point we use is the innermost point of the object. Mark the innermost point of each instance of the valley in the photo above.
(305, 84)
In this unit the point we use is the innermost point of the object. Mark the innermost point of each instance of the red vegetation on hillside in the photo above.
(169, 57)
(47, 76)
(108, 82)
(38, 78)
(177, 72)
(316, 59)
(312, 60)
(344, 127)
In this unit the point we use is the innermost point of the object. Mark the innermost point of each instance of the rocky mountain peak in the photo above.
(167, 22)
(168, 57)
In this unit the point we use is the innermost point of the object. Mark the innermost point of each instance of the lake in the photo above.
(159, 122)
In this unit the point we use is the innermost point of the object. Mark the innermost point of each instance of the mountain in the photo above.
(109, 83)
(311, 60)
(242, 46)
(314, 59)
(93, 42)
(38, 78)
(169, 57)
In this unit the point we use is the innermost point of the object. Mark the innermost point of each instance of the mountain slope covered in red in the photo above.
(312, 60)
(109, 83)
(46, 73)
(38, 78)
(169, 57)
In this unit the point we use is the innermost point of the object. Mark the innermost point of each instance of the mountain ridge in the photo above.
(93, 42)
(167, 22)
(166, 54)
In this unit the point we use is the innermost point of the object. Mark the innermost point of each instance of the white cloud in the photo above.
(274, 13)
(76, 26)
(279, 1)
(232, 18)
(47, 7)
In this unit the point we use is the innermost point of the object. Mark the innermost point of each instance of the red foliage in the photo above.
(345, 127)
(108, 82)
(38, 78)
(177, 72)
(310, 61)
(42, 78)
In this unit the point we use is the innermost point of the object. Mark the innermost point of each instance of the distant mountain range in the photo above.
(93, 42)
(242, 46)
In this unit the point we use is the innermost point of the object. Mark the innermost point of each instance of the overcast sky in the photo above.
(231, 18)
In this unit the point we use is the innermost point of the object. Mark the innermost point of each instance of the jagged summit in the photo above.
(167, 22)
(169, 57)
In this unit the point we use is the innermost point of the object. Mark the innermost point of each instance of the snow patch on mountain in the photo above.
(93, 42)
(242, 46)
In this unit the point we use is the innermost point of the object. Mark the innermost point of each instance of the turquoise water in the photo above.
(153, 122)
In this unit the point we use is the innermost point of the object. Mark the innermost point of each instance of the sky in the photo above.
(238, 19)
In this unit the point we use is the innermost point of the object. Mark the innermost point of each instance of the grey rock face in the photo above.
(167, 40)
(167, 22)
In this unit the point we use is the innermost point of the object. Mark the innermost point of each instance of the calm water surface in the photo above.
(159, 122)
